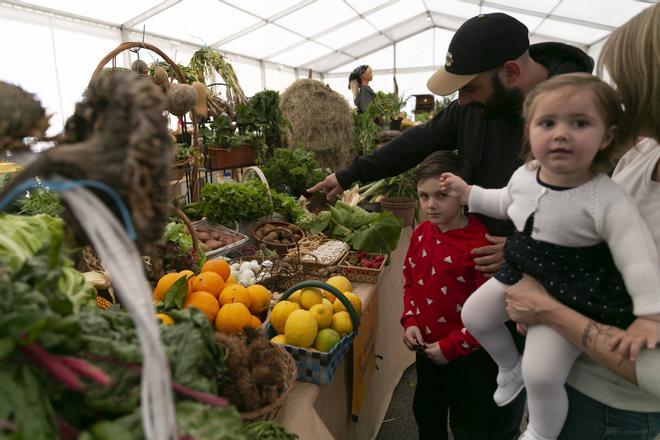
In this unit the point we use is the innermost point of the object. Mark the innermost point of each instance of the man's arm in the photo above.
(527, 302)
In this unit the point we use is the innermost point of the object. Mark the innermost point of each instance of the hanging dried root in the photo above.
(21, 116)
(117, 136)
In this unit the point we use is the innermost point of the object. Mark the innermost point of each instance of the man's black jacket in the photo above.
(492, 147)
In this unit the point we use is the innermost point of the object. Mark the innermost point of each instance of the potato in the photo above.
(202, 236)
(214, 235)
(259, 233)
(212, 244)
(286, 241)
(293, 228)
(297, 237)
(271, 236)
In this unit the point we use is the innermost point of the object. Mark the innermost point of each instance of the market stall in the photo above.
(324, 411)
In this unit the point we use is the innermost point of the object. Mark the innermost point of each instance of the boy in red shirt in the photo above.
(453, 374)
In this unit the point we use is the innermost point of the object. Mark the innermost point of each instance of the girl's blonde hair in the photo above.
(631, 56)
(608, 105)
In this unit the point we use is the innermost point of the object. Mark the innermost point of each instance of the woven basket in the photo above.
(182, 80)
(360, 274)
(314, 366)
(269, 412)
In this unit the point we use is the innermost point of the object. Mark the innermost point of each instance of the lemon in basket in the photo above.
(326, 339)
(300, 329)
(295, 296)
(278, 339)
(340, 283)
(341, 323)
(310, 297)
(355, 300)
(280, 313)
(323, 314)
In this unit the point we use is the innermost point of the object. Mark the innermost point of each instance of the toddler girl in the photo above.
(577, 232)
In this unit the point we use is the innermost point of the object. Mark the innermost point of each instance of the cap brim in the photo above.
(444, 83)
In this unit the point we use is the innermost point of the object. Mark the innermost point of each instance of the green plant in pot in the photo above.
(226, 146)
(263, 117)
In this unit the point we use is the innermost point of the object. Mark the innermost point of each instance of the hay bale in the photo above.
(320, 122)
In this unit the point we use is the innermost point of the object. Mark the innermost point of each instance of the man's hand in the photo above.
(412, 337)
(489, 258)
(527, 301)
(330, 186)
(643, 332)
(434, 353)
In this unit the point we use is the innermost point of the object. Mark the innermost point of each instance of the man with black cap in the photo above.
(492, 66)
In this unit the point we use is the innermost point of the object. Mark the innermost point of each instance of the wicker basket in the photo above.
(314, 366)
(360, 274)
(194, 185)
(269, 412)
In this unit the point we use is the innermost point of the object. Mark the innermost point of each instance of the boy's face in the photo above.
(440, 209)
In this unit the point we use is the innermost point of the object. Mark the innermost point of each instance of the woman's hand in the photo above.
(434, 353)
(527, 301)
(644, 332)
(412, 338)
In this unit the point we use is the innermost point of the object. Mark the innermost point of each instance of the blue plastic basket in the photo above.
(314, 366)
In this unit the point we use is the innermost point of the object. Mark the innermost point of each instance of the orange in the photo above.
(203, 301)
(208, 282)
(164, 319)
(259, 298)
(221, 267)
(231, 280)
(232, 318)
(256, 322)
(235, 293)
(164, 284)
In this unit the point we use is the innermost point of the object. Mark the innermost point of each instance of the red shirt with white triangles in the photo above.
(439, 276)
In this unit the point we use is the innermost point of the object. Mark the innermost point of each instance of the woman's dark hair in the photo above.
(442, 162)
(356, 75)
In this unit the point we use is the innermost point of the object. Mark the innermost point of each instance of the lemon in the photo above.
(278, 339)
(322, 313)
(341, 323)
(355, 300)
(327, 301)
(281, 312)
(295, 296)
(310, 297)
(300, 329)
(326, 339)
(340, 283)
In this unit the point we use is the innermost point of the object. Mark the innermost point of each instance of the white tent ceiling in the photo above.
(324, 35)
(50, 47)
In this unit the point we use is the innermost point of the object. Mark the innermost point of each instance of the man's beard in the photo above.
(502, 103)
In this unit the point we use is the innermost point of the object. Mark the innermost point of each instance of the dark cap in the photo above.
(480, 44)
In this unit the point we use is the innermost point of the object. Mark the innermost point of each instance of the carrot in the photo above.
(55, 367)
(86, 369)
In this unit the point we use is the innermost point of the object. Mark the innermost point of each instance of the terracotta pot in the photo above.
(224, 158)
(402, 207)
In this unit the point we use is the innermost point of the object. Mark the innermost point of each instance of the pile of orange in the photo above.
(228, 305)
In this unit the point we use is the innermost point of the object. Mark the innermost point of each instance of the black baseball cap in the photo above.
(480, 44)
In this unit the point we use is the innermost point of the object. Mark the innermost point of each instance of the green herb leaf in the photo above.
(176, 293)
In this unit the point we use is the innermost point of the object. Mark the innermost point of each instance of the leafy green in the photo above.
(362, 230)
(22, 236)
(178, 233)
(296, 169)
(286, 205)
(267, 430)
(203, 422)
(226, 203)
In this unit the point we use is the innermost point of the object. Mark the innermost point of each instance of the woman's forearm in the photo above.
(590, 336)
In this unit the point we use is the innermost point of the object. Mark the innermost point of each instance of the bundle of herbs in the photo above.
(293, 171)
(227, 203)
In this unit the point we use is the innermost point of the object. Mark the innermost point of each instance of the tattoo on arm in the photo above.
(595, 330)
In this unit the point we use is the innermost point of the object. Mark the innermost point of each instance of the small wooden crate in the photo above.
(361, 274)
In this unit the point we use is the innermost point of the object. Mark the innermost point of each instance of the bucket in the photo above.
(401, 207)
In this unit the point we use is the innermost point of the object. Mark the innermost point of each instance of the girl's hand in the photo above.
(454, 186)
(434, 353)
(643, 332)
(412, 337)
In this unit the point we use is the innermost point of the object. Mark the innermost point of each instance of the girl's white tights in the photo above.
(546, 362)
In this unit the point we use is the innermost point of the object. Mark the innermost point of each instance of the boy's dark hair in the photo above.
(442, 162)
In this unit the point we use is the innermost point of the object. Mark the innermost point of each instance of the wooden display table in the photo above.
(319, 412)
